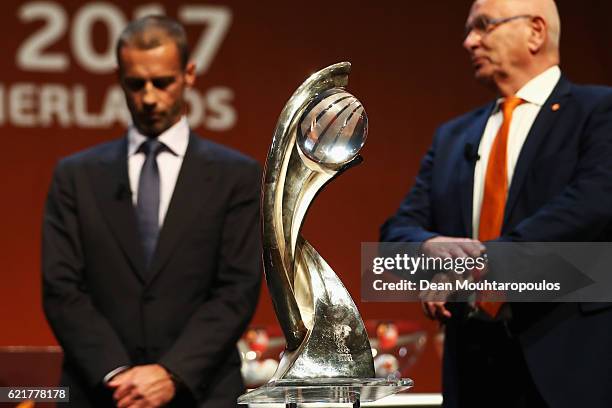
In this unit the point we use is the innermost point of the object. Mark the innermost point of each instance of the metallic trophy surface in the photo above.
(318, 136)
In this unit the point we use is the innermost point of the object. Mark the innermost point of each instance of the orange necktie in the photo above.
(496, 189)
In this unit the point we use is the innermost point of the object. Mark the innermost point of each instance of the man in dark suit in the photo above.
(535, 165)
(151, 250)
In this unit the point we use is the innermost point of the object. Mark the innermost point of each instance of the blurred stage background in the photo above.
(58, 94)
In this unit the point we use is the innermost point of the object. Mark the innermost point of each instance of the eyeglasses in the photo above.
(135, 84)
(484, 24)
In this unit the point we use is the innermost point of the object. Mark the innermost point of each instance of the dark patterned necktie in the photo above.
(147, 204)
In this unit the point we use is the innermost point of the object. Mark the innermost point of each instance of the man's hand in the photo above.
(143, 386)
(435, 308)
(436, 311)
(451, 247)
(447, 247)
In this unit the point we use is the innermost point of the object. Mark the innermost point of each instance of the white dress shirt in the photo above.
(534, 93)
(169, 163)
(176, 139)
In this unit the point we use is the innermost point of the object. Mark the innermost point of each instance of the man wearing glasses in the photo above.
(151, 252)
(534, 165)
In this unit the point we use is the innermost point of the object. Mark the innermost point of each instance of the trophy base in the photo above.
(325, 390)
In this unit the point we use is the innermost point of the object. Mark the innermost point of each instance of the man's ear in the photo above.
(119, 75)
(190, 74)
(538, 35)
(118, 71)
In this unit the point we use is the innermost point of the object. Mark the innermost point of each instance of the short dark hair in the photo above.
(151, 32)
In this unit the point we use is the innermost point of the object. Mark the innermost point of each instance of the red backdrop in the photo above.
(58, 95)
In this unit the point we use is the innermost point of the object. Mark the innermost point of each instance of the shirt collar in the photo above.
(175, 138)
(539, 88)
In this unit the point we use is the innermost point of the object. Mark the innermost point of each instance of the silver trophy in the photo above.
(328, 357)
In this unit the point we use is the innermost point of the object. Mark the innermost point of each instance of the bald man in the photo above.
(533, 165)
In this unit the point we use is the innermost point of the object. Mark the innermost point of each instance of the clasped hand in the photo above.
(143, 386)
(447, 247)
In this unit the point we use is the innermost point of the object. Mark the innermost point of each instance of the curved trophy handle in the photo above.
(318, 135)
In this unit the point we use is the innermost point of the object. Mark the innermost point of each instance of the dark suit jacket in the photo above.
(186, 311)
(561, 191)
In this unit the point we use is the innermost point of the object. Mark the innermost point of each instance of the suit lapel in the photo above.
(537, 134)
(189, 194)
(473, 134)
(111, 186)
